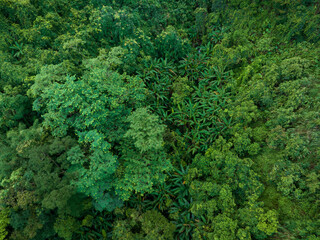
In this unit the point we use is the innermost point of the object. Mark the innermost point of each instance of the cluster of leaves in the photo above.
(159, 119)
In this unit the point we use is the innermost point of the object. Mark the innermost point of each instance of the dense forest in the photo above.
(159, 119)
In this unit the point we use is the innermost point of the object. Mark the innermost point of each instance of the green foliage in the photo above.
(4, 222)
(170, 45)
(121, 23)
(200, 23)
(202, 116)
(48, 75)
(14, 107)
(268, 222)
(221, 182)
(95, 179)
(148, 225)
(65, 227)
(145, 130)
(145, 165)
(158, 119)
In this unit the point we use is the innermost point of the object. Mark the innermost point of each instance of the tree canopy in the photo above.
(159, 119)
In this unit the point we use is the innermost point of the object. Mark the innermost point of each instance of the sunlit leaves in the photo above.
(4, 222)
(145, 130)
(145, 165)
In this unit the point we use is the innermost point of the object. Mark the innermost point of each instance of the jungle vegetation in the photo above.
(159, 119)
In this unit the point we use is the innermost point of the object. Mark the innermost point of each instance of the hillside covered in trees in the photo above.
(159, 119)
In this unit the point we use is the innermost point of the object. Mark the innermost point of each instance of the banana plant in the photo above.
(201, 117)
(17, 50)
(186, 221)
